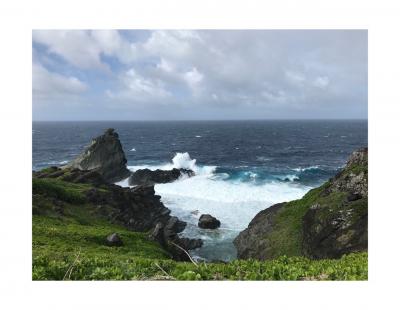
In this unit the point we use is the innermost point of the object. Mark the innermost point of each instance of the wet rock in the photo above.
(167, 236)
(150, 177)
(173, 227)
(208, 221)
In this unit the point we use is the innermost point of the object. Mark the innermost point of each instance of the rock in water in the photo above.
(104, 155)
(327, 222)
(114, 240)
(208, 221)
(150, 177)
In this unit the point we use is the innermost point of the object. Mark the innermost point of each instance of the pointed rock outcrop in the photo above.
(105, 156)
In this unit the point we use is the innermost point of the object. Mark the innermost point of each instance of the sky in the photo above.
(199, 74)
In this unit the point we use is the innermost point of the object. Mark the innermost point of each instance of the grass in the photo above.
(66, 249)
(286, 236)
(68, 243)
(65, 191)
(72, 251)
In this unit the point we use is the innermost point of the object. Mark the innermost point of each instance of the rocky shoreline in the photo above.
(327, 222)
(139, 208)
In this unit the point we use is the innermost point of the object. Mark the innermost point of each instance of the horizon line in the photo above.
(208, 120)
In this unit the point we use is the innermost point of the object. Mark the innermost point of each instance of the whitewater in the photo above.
(232, 201)
(242, 167)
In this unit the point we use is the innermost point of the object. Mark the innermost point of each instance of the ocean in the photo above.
(242, 167)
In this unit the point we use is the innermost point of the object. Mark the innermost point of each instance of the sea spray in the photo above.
(233, 201)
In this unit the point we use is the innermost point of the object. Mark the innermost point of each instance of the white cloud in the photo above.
(50, 85)
(301, 69)
(295, 76)
(171, 44)
(165, 66)
(193, 77)
(83, 48)
(321, 82)
(76, 46)
(136, 88)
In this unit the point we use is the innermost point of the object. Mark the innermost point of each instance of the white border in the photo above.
(18, 18)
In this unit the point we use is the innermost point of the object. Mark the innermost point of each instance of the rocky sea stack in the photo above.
(327, 222)
(105, 156)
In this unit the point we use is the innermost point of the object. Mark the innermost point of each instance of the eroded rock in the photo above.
(208, 221)
(105, 156)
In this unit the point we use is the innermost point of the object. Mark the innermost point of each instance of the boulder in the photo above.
(150, 177)
(114, 240)
(208, 221)
(105, 156)
(167, 236)
(173, 227)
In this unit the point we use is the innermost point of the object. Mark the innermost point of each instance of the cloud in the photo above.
(321, 82)
(83, 48)
(77, 47)
(277, 72)
(138, 88)
(48, 85)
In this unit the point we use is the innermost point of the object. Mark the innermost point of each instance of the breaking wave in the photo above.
(234, 201)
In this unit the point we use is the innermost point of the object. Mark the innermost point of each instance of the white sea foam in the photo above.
(198, 136)
(262, 158)
(290, 177)
(251, 175)
(233, 202)
(300, 169)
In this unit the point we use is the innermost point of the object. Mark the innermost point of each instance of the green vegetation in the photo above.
(69, 244)
(286, 237)
(65, 191)
(70, 251)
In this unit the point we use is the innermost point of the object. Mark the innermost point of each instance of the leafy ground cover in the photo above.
(63, 249)
(68, 243)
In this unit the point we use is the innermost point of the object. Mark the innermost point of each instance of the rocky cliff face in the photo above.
(105, 156)
(327, 222)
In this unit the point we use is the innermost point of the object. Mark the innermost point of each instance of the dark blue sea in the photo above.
(241, 167)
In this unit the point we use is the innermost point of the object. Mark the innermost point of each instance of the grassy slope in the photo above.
(287, 235)
(69, 244)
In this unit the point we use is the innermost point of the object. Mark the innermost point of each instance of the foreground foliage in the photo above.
(72, 251)
(68, 243)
